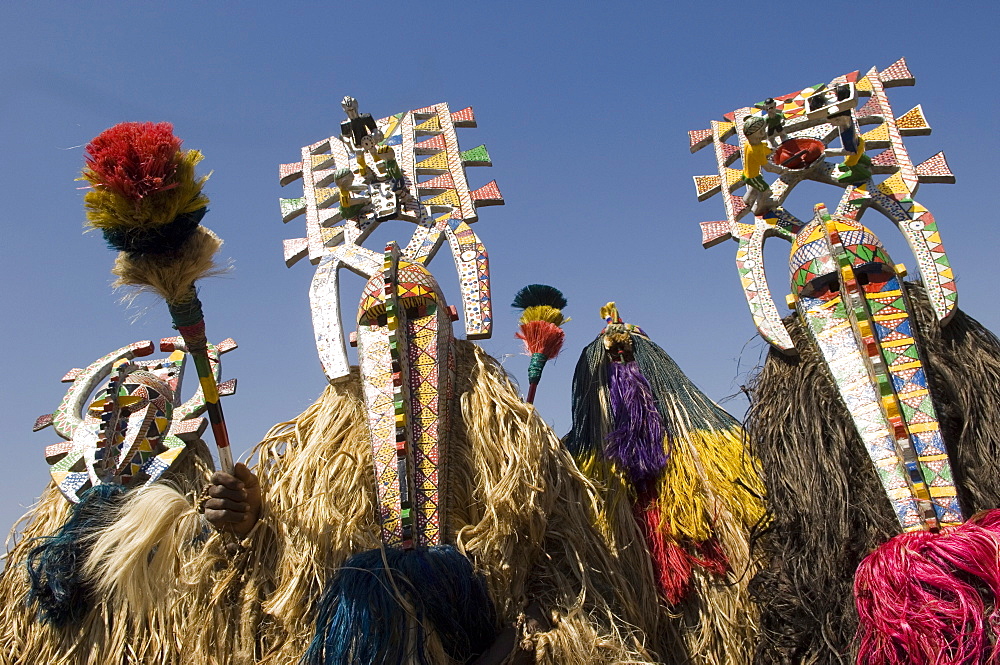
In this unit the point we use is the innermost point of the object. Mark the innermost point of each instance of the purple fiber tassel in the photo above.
(636, 443)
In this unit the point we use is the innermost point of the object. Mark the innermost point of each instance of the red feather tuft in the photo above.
(542, 337)
(134, 159)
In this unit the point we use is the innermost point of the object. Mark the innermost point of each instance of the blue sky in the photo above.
(584, 109)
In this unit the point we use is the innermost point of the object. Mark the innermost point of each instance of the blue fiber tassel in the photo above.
(361, 620)
(58, 591)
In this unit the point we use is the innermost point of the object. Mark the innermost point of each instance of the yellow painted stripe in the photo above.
(209, 390)
(923, 427)
(933, 458)
(898, 368)
(890, 317)
(897, 342)
(899, 493)
(938, 492)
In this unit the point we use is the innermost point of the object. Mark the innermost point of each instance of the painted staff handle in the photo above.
(190, 323)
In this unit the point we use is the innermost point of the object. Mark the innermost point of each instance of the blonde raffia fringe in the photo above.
(117, 630)
(519, 509)
(170, 276)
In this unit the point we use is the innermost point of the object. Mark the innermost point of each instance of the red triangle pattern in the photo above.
(935, 166)
(846, 78)
(728, 150)
(885, 158)
(713, 232)
(433, 143)
(870, 109)
(739, 205)
(896, 74)
(488, 192)
(465, 115)
(696, 136)
(443, 181)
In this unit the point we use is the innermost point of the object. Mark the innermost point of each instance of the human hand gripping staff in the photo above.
(148, 204)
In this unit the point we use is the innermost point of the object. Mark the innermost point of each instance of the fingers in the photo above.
(244, 475)
(226, 505)
(222, 492)
(219, 518)
(220, 511)
(227, 480)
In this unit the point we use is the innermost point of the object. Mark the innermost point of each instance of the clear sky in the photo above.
(584, 108)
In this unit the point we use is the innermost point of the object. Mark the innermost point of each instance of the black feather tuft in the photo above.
(156, 240)
(539, 294)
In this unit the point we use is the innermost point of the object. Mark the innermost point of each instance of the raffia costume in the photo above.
(162, 587)
(677, 484)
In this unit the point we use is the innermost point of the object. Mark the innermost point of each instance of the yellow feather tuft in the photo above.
(108, 210)
(543, 313)
(610, 311)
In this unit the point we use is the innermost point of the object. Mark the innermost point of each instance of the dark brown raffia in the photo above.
(826, 506)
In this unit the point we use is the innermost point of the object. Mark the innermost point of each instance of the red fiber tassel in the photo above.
(711, 558)
(931, 598)
(671, 564)
(134, 159)
(541, 337)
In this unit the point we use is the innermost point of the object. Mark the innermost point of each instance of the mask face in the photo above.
(851, 298)
(406, 360)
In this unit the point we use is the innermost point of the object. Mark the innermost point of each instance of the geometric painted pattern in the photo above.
(472, 262)
(831, 328)
(376, 369)
(407, 366)
(891, 325)
(935, 169)
(134, 427)
(892, 196)
(425, 143)
(862, 327)
(429, 418)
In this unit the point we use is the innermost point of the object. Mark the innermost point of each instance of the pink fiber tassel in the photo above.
(931, 598)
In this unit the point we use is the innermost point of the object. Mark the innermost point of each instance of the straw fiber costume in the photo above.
(133, 463)
(418, 512)
(680, 494)
(884, 424)
(875, 416)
